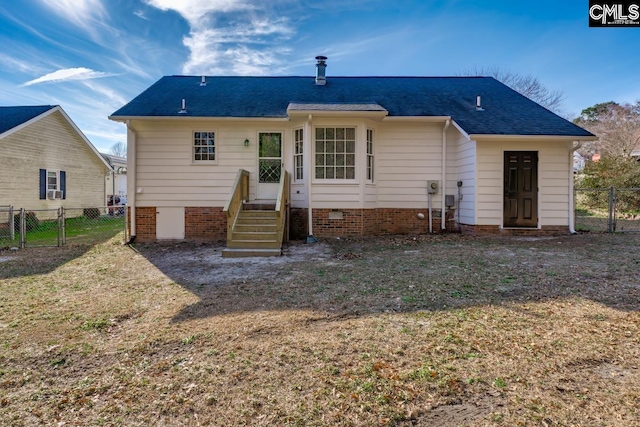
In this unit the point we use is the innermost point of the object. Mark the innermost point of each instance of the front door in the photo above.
(269, 164)
(520, 189)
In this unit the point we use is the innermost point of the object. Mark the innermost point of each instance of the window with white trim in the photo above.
(53, 180)
(298, 155)
(335, 150)
(204, 146)
(370, 155)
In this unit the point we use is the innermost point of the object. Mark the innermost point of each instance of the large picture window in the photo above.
(204, 146)
(335, 150)
(298, 155)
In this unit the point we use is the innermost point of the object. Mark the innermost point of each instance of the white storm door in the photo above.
(269, 165)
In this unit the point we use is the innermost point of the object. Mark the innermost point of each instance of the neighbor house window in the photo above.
(204, 146)
(335, 153)
(370, 155)
(53, 184)
(297, 155)
(53, 180)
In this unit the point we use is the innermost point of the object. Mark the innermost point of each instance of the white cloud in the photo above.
(67, 74)
(196, 11)
(83, 13)
(231, 36)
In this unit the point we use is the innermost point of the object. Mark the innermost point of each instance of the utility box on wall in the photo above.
(433, 187)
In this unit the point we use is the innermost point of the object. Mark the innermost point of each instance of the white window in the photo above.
(335, 153)
(53, 180)
(204, 146)
(297, 155)
(370, 155)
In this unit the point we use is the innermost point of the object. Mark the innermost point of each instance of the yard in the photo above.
(397, 331)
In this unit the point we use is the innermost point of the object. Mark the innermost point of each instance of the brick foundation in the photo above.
(364, 222)
(145, 224)
(202, 224)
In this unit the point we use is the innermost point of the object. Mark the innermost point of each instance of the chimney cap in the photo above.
(321, 58)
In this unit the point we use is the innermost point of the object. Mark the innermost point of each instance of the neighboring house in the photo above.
(361, 153)
(47, 162)
(116, 182)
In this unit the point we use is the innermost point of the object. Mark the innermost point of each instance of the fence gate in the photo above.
(41, 227)
(607, 209)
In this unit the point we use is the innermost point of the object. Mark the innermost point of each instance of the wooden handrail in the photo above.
(281, 205)
(239, 193)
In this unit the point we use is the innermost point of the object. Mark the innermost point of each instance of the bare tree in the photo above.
(119, 149)
(617, 127)
(529, 86)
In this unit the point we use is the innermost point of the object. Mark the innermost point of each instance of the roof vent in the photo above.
(479, 104)
(321, 67)
(203, 81)
(183, 110)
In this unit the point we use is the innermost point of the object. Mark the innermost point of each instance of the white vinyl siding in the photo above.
(466, 171)
(50, 143)
(553, 181)
(407, 155)
(166, 175)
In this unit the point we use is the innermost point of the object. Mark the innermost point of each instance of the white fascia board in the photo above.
(71, 123)
(379, 115)
(28, 122)
(84, 138)
(462, 131)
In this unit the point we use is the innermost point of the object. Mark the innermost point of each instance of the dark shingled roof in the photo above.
(506, 112)
(11, 117)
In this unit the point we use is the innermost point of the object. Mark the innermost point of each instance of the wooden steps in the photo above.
(254, 232)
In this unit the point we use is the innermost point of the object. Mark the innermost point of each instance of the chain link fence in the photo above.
(28, 228)
(607, 209)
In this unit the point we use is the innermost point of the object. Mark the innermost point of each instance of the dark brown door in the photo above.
(521, 189)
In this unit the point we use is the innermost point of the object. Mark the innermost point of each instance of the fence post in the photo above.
(610, 224)
(12, 230)
(63, 225)
(23, 231)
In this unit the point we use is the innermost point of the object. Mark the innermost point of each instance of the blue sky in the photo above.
(93, 56)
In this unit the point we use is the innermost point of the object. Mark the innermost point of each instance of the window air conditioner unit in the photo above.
(54, 194)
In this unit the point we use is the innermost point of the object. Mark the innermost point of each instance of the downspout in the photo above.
(572, 213)
(131, 179)
(443, 223)
(307, 150)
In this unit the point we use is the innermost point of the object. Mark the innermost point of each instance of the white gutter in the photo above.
(572, 213)
(131, 178)
(443, 224)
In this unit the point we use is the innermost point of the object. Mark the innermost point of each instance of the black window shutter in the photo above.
(43, 184)
(63, 184)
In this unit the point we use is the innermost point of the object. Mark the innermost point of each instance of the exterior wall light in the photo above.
(246, 142)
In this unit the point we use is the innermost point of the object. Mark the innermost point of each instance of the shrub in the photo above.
(91, 213)
(617, 172)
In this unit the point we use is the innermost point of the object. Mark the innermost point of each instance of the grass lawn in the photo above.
(80, 230)
(396, 331)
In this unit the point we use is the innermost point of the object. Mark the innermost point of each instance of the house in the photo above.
(365, 155)
(116, 182)
(46, 162)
